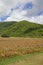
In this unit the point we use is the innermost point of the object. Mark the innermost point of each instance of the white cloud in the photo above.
(19, 14)
(38, 19)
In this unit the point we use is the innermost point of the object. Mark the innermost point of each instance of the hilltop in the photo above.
(21, 29)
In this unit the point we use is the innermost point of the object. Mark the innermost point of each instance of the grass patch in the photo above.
(6, 61)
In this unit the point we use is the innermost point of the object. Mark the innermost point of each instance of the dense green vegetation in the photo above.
(21, 29)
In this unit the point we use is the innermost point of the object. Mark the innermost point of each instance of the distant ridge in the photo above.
(21, 29)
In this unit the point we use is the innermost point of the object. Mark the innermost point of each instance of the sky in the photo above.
(17, 10)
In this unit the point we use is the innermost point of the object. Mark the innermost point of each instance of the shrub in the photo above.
(5, 35)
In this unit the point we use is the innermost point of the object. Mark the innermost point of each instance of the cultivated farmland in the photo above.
(20, 46)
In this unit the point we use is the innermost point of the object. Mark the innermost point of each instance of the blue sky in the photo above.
(16, 10)
(28, 5)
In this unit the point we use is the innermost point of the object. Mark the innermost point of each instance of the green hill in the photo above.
(21, 29)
